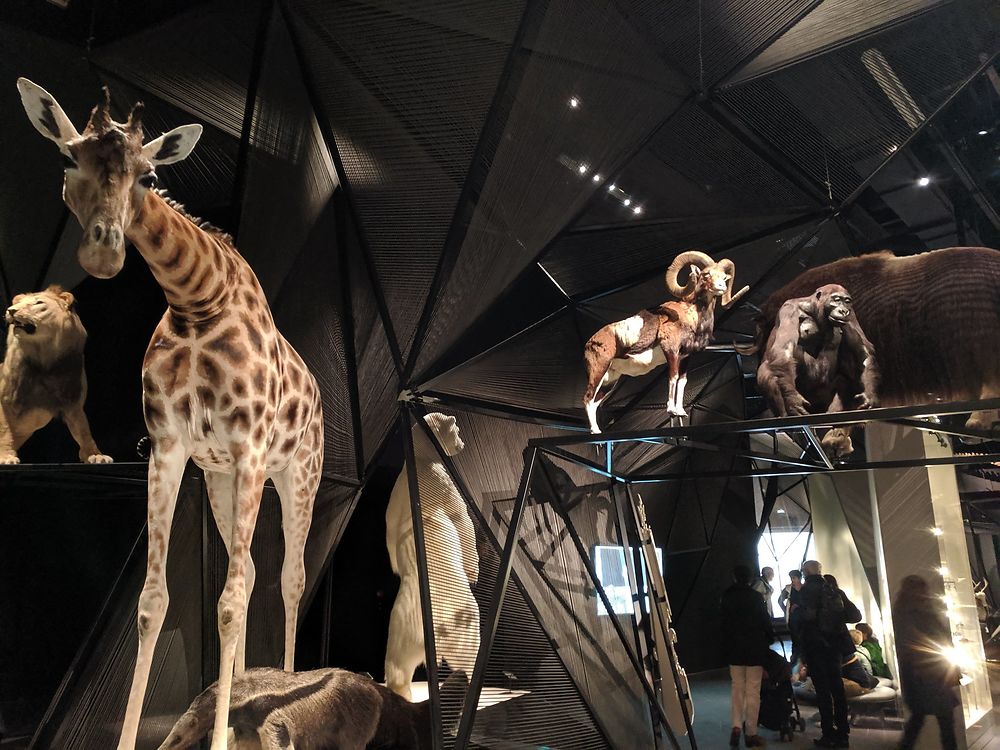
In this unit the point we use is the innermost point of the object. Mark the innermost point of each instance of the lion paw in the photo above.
(837, 443)
(99, 458)
(10, 459)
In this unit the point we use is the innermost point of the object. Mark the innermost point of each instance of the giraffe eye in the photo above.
(148, 180)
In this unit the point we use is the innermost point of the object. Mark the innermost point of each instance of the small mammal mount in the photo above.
(42, 376)
(667, 334)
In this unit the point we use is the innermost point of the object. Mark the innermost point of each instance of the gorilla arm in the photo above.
(858, 369)
(779, 363)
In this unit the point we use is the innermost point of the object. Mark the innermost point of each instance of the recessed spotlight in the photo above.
(924, 181)
(943, 570)
(936, 531)
(782, 511)
(611, 187)
(983, 132)
(596, 177)
(574, 102)
(582, 169)
(893, 148)
(628, 201)
(637, 210)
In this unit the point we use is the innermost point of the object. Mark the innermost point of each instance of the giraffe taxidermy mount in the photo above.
(220, 385)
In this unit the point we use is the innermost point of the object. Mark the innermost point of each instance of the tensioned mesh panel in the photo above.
(526, 683)
(540, 369)
(91, 714)
(289, 174)
(692, 170)
(590, 261)
(378, 385)
(198, 61)
(874, 93)
(582, 94)
(708, 39)
(202, 182)
(832, 22)
(406, 94)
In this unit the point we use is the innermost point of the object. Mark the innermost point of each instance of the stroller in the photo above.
(778, 710)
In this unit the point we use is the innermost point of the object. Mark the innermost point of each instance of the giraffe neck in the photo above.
(196, 269)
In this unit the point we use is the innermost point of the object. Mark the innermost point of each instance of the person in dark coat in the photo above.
(746, 637)
(825, 644)
(928, 678)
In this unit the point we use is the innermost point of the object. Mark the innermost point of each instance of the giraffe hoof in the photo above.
(99, 458)
(9, 460)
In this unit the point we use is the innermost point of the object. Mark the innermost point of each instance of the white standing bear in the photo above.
(452, 563)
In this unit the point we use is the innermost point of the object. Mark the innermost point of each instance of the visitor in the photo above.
(825, 644)
(763, 587)
(788, 600)
(874, 651)
(928, 678)
(857, 667)
(746, 636)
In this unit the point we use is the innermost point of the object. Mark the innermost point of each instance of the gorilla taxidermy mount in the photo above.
(819, 360)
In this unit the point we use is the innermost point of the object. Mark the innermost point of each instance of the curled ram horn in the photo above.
(728, 299)
(689, 257)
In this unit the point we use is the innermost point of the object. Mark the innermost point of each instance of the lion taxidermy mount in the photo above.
(42, 375)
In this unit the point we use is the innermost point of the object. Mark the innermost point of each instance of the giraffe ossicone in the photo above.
(220, 384)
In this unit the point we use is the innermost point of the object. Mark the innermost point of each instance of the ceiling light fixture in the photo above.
(574, 103)
(582, 169)
(628, 201)
(637, 210)
(924, 181)
(596, 177)
(983, 132)
(611, 187)
(936, 531)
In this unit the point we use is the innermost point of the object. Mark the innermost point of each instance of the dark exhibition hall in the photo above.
(500, 374)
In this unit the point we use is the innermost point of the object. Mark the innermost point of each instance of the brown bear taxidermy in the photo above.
(819, 360)
(42, 375)
(662, 335)
(933, 319)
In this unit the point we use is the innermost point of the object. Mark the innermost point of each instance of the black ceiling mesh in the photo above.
(198, 61)
(587, 90)
(591, 261)
(31, 204)
(830, 23)
(695, 170)
(708, 39)
(875, 92)
(289, 175)
(406, 94)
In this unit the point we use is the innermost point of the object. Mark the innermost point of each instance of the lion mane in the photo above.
(42, 375)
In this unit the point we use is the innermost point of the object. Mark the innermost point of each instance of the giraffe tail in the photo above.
(196, 722)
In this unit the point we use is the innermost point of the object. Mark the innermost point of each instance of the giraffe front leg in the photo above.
(220, 497)
(296, 487)
(166, 467)
(248, 483)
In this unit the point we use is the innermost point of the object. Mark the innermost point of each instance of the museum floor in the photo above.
(711, 696)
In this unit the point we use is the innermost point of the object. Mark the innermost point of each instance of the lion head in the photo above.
(44, 323)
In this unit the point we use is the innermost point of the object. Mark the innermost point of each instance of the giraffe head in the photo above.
(108, 170)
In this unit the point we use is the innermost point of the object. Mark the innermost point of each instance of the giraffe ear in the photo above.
(173, 146)
(46, 114)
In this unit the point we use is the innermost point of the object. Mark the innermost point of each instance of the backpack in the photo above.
(830, 616)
